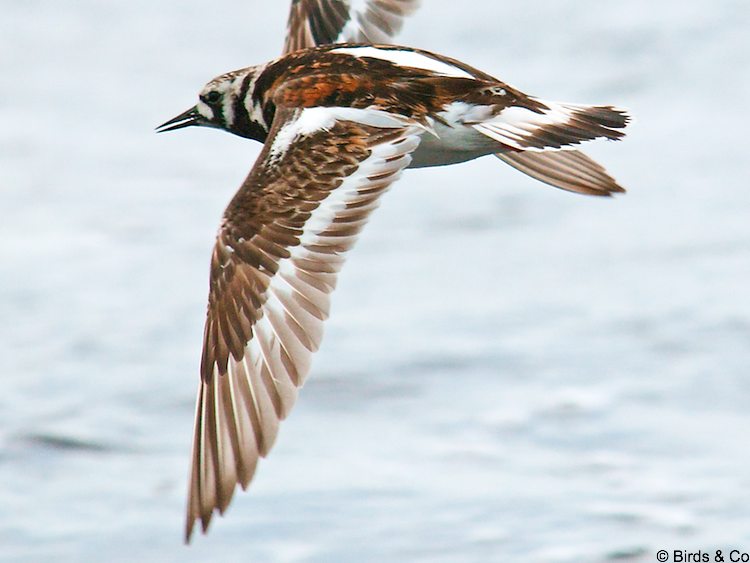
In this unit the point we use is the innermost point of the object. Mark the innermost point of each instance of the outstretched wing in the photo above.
(280, 246)
(320, 22)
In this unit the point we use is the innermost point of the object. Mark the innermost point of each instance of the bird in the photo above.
(339, 123)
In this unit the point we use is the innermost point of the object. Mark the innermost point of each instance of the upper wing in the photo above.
(320, 22)
(281, 243)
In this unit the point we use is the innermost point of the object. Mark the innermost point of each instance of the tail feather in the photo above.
(554, 125)
(566, 169)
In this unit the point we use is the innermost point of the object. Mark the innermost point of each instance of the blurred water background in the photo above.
(511, 372)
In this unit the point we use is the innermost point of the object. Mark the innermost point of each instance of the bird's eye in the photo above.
(212, 97)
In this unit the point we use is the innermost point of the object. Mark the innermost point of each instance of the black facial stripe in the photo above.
(241, 116)
(269, 111)
(218, 111)
(252, 131)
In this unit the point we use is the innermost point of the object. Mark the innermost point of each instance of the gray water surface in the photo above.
(510, 373)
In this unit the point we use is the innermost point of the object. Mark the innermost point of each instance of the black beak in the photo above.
(185, 119)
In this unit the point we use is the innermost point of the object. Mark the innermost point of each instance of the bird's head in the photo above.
(228, 102)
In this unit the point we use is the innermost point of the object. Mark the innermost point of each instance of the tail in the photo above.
(553, 125)
(538, 142)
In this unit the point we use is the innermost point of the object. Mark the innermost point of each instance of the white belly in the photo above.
(455, 142)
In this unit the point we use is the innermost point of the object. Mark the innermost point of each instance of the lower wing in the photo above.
(280, 246)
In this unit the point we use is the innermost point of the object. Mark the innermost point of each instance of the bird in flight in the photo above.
(340, 121)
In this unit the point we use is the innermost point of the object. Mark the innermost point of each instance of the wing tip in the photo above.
(569, 170)
(190, 524)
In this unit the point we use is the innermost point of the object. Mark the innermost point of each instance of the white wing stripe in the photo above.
(308, 296)
(407, 59)
(311, 120)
